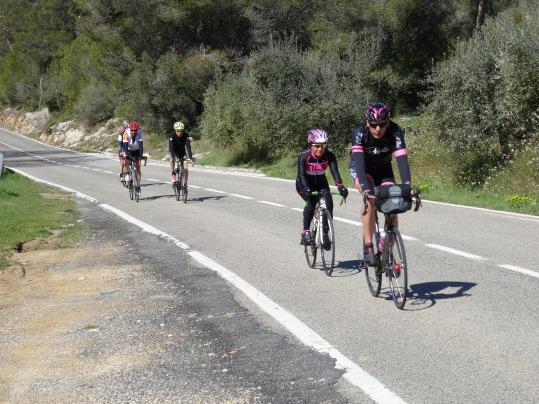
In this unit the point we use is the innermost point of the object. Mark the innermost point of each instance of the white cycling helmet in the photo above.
(179, 125)
(317, 135)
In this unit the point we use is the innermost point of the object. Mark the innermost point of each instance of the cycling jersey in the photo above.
(311, 171)
(180, 146)
(133, 144)
(371, 157)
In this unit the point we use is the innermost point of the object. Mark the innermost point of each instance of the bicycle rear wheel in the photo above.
(396, 268)
(311, 250)
(328, 255)
(184, 195)
(131, 189)
(176, 187)
(374, 274)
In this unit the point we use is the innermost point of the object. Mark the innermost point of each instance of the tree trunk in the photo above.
(480, 14)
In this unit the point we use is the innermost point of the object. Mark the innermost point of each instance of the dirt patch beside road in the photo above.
(51, 315)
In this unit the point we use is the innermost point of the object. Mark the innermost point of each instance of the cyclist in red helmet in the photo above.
(133, 146)
(374, 142)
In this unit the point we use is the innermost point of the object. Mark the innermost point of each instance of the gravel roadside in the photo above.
(125, 316)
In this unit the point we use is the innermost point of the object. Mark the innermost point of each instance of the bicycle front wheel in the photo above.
(327, 252)
(373, 275)
(396, 268)
(311, 250)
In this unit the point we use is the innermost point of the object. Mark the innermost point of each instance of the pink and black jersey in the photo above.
(311, 171)
(370, 155)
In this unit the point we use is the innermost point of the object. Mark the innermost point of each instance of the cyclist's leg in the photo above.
(186, 171)
(368, 219)
(308, 212)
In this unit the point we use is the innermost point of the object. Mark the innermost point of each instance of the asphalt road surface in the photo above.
(469, 331)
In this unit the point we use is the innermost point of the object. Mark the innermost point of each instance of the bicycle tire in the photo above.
(136, 184)
(328, 256)
(184, 195)
(311, 250)
(180, 180)
(396, 268)
(176, 187)
(131, 189)
(373, 274)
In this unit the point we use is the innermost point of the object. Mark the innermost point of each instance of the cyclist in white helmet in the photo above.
(179, 144)
(312, 164)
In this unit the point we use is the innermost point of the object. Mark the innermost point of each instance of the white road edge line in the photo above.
(456, 252)
(354, 374)
(519, 269)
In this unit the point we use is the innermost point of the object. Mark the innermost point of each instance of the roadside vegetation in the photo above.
(29, 210)
(250, 77)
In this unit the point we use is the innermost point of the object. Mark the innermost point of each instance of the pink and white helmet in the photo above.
(317, 135)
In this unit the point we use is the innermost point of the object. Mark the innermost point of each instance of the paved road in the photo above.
(468, 334)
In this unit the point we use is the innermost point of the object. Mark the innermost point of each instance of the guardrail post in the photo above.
(1, 164)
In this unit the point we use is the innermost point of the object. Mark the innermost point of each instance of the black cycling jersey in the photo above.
(372, 157)
(311, 171)
(180, 146)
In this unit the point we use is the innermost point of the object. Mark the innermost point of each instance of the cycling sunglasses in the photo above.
(381, 125)
(319, 145)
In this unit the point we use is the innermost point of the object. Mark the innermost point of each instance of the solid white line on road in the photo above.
(194, 186)
(241, 196)
(215, 190)
(521, 270)
(154, 180)
(108, 172)
(354, 374)
(456, 252)
(297, 209)
(273, 204)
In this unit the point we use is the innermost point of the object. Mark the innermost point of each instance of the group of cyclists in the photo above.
(374, 142)
(131, 146)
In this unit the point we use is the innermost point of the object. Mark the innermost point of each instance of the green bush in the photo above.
(485, 98)
(266, 109)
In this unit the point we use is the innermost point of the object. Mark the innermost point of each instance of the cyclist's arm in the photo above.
(334, 169)
(401, 155)
(188, 148)
(302, 172)
(357, 161)
(141, 146)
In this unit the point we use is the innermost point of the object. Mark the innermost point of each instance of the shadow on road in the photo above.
(346, 268)
(425, 295)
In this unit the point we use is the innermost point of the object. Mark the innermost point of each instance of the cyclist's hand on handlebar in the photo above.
(308, 191)
(343, 191)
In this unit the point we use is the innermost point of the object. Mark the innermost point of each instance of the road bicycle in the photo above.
(321, 225)
(131, 178)
(180, 185)
(388, 245)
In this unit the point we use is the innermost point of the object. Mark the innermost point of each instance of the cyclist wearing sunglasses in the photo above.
(179, 144)
(373, 144)
(312, 164)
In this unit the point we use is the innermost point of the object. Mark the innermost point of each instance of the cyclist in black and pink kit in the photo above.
(373, 144)
(312, 164)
